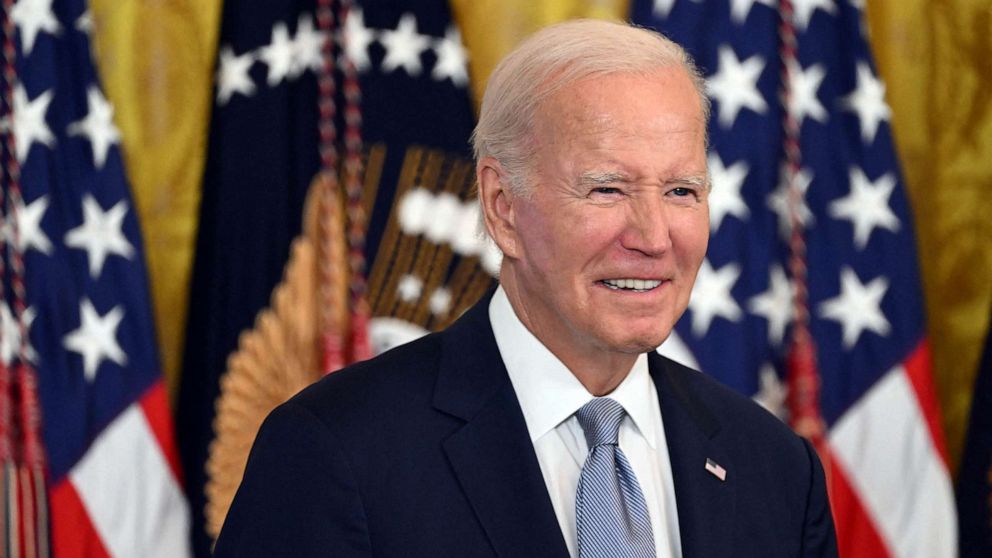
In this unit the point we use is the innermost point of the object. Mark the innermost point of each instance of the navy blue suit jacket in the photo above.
(423, 451)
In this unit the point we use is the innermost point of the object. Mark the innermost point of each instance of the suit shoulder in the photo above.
(731, 410)
(404, 373)
(778, 473)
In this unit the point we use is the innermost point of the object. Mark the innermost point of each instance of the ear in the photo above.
(497, 205)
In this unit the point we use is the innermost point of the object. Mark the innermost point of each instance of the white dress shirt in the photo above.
(549, 396)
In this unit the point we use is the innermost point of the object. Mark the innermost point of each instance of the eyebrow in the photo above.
(697, 181)
(598, 178)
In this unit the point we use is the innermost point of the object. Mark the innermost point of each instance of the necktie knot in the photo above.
(600, 420)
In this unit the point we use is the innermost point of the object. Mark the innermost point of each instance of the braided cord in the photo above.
(342, 342)
(24, 461)
(357, 220)
(803, 378)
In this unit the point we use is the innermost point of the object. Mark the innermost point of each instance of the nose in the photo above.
(648, 229)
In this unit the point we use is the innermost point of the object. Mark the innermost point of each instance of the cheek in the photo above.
(546, 247)
(537, 237)
(598, 228)
(690, 238)
(564, 242)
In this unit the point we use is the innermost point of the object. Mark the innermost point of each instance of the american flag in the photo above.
(809, 219)
(76, 313)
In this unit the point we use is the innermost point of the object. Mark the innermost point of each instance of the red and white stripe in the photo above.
(124, 497)
(890, 483)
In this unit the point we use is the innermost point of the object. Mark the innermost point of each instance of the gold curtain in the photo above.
(155, 59)
(936, 57)
(491, 28)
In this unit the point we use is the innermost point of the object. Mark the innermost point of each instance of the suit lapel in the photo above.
(494, 461)
(492, 455)
(705, 503)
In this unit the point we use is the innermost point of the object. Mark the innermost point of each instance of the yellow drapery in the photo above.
(156, 59)
(936, 57)
(491, 28)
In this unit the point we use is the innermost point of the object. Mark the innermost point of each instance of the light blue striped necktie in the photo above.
(610, 513)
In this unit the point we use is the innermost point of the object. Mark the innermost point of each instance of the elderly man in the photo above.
(542, 423)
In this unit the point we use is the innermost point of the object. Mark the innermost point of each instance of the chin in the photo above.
(638, 334)
(637, 344)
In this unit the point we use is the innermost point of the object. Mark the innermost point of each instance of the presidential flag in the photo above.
(265, 149)
(83, 400)
(809, 297)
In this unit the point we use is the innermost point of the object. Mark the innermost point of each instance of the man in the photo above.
(542, 423)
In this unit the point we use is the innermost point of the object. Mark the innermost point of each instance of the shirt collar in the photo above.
(547, 390)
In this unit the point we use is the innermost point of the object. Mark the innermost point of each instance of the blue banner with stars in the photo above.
(263, 154)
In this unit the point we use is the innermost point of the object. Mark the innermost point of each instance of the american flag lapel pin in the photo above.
(716, 470)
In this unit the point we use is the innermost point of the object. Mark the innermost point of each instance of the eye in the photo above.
(681, 192)
(606, 190)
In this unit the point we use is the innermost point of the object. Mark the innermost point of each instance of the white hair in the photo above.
(552, 59)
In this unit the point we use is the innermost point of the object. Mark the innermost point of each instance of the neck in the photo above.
(602, 380)
(598, 369)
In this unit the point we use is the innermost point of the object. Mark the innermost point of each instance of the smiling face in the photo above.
(600, 257)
